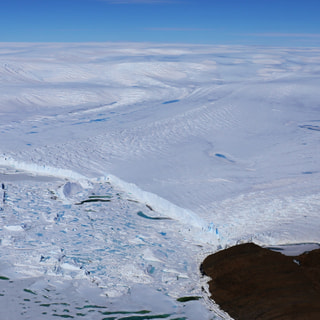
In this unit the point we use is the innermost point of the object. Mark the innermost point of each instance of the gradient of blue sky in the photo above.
(257, 22)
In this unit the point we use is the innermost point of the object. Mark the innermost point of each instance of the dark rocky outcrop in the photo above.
(251, 282)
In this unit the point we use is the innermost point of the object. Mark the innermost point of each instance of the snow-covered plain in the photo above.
(123, 165)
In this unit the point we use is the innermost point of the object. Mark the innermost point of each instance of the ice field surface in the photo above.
(122, 166)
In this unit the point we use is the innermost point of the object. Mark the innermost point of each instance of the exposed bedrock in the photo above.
(251, 282)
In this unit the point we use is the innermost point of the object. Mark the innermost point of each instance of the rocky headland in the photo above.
(251, 282)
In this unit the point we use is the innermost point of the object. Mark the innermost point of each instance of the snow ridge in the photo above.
(44, 170)
(159, 204)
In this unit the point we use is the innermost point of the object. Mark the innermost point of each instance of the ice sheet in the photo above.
(123, 165)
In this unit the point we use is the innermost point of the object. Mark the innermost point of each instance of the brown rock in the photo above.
(250, 282)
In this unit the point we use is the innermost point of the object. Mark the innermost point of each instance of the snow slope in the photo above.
(126, 164)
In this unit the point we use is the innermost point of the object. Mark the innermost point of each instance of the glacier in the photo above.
(123, 165)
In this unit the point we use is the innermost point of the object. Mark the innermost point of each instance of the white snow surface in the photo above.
(123, 165)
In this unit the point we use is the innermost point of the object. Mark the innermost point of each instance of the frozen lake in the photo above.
(122, 166)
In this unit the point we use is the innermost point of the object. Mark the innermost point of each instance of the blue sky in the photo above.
(253, 22)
